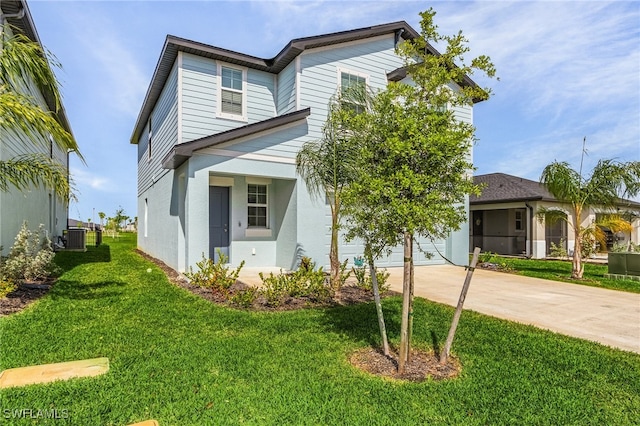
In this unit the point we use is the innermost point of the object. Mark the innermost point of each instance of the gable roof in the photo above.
(20, 19)
(182, 152)
(295, 47)
(504, 188)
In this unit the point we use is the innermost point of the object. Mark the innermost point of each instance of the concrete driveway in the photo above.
(606, 316)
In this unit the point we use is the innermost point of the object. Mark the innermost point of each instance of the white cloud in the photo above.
(86, 180)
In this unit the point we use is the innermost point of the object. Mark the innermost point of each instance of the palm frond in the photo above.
(24, 62)
(35, 170)
(20, 113)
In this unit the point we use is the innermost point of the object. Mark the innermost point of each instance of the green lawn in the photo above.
(560, 270)
(184, 361)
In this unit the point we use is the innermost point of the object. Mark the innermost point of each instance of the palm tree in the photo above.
(609, 181)
(326, 167)
(25, 64)
(101, 215)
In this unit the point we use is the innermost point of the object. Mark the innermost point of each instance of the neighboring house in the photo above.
(503, 218)
(217, 138)
(37, 206)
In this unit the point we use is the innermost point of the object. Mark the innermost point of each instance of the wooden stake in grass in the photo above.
(405, 345)
(456, 317)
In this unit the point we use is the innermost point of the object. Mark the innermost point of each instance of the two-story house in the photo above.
(37, 205)
(217, 138)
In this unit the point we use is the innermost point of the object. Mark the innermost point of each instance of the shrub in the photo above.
(306, 264)
(214, 275)
(6, 287)
(301, 283)
(344, 276)
(558, 250)
(245, 298)
(30, 258)
(364, 280)
(486, 257)
(274, 288)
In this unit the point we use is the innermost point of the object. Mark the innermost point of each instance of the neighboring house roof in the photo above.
(504, 188)
(295, 47)
(501, 188)
(182, 152)
(21, 20)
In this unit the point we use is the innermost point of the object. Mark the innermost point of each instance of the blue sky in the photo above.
(567, 70)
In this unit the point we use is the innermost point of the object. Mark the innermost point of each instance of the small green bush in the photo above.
(486, 257)
(364, 279)
(30, 258)
(214, 275)
(301, 283)
(6, 287)
(274, 288)
(558, 250)
(245, 298)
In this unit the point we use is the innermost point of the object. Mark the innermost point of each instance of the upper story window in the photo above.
(348, 80)
(232, 94)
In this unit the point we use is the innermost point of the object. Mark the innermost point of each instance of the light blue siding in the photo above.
(287, 89)
(199, 93)
(261, 96)
(164, 127)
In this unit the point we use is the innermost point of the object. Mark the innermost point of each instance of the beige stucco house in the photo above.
(503, 218)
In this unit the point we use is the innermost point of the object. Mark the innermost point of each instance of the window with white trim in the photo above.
(232, 92)
(351, 79)
(257, 206)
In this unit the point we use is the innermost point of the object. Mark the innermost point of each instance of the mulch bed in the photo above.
(422, 365)
(348, 294)
(22, 297)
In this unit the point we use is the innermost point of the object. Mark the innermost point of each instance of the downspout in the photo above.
(397, 38)
(18, 15)
(529, 246)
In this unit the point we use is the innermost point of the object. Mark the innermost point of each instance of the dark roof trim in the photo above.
(26, 26)
(182, 152)
(295, 47)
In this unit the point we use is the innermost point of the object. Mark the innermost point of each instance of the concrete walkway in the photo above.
(606, 316)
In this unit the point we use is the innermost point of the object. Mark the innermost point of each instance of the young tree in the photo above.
(25, 64)
(609, 180)
(413, 152)
(118, 218)
(101, 215)
(326, 166)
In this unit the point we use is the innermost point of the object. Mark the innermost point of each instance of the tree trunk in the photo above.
(411, 291)
(456, 316)
(577, 267)
(376, 295)
(334, 259)
(406, 296)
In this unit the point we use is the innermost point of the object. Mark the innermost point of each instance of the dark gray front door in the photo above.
(218, 221)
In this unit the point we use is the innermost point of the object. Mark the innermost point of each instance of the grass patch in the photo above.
(182, 360)
(560, 270)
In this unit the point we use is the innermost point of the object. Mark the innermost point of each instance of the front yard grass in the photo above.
(181, 360)
(560, 270)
